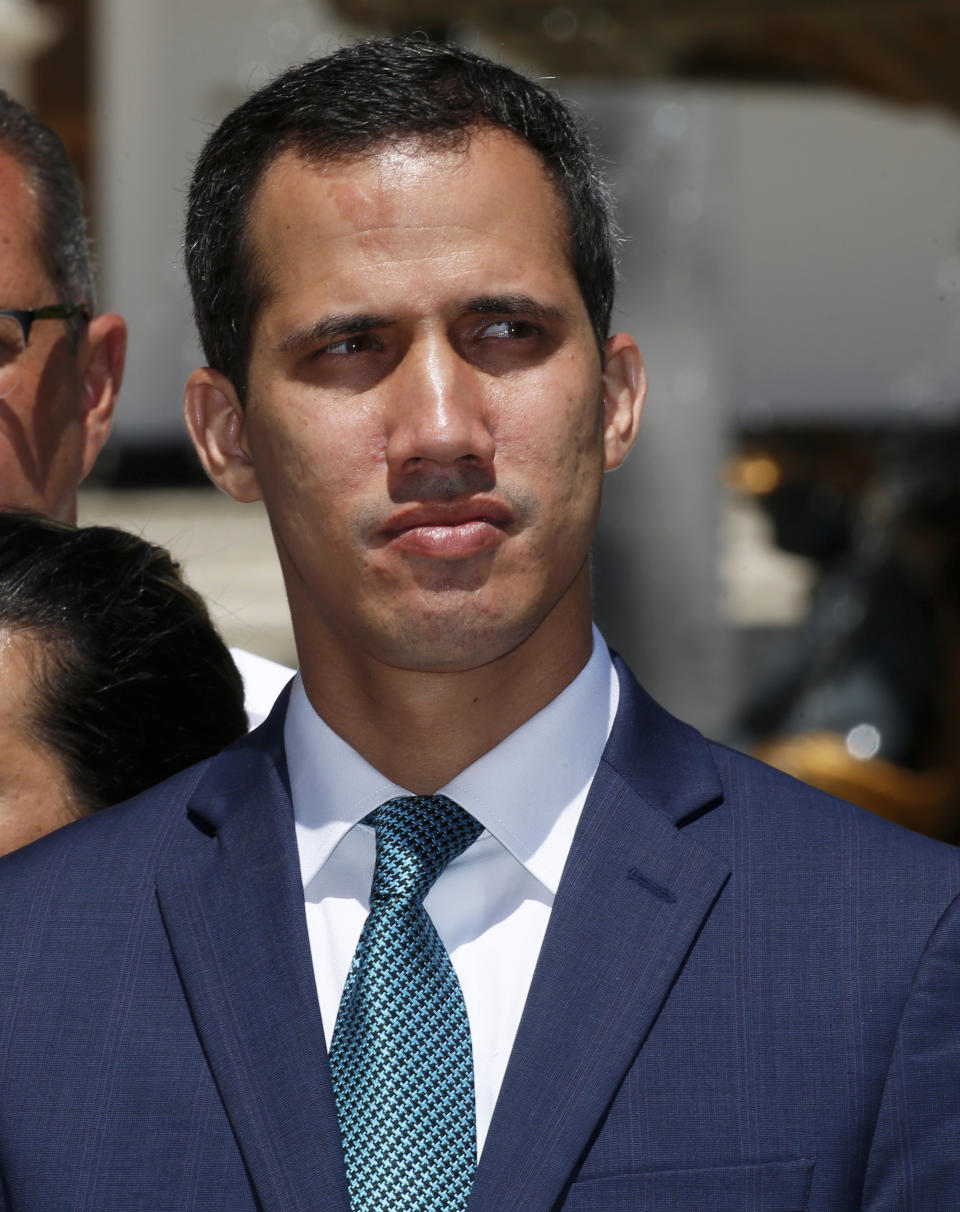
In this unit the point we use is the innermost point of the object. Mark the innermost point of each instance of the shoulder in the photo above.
(785, 843)
(121, 847)
(853, 892)
(800, 815)
(87, 897)
(112, 842)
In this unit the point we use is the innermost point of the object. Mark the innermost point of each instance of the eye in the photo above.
(504, 330)
(506, 344)
(359, 343)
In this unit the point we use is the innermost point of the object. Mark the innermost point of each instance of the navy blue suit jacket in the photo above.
(747, 1000)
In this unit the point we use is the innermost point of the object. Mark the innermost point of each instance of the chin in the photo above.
(454, 644)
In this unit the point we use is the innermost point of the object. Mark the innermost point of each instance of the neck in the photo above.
(420, 728)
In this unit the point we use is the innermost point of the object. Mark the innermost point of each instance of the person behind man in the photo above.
(112, 676)
(623, 966)
(61, 365)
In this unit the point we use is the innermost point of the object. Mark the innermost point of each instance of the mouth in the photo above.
(448, 530)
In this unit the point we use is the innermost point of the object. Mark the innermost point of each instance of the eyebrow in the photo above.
(515, 305)
(332, 328)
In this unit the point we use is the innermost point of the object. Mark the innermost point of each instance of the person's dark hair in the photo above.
(133, 682)
(62, 238)
(355, 102)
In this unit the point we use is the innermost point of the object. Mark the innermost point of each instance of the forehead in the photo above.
(409, 199)
(22, 272)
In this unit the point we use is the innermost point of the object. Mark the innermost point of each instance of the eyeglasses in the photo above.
(15, 328)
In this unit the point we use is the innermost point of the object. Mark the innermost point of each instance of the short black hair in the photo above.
(133, 682)
(62, 239)
(356, 101)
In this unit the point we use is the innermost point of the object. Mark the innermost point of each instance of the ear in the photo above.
(216, 422)
(624, 390)
(100, 359)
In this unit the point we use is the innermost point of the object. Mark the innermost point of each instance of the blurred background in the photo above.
(779, 560)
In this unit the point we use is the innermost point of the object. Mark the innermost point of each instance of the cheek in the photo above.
(55, 392)
(556, 436)
(313, 458)
(16, 487)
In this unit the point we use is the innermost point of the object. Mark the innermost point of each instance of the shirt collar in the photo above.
(527, 792)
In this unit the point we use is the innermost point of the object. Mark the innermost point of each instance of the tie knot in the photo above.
(417, 836)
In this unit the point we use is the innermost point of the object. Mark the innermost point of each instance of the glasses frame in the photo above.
(25, 317)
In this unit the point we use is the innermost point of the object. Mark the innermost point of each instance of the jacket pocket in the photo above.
(780, 1186)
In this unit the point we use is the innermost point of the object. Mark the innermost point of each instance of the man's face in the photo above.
(427, 417)
(41, 419)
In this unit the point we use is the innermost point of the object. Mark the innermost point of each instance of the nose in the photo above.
(437, 413)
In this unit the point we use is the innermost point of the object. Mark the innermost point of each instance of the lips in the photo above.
(448, 529)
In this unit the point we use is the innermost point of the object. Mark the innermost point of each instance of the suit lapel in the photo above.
(233, 910)
(633, 897)
(634, 894)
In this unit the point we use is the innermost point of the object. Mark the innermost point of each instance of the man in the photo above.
(98, 634)
(648, 972)
(60, 363)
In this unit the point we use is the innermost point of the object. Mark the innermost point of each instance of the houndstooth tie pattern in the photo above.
(401, 1056)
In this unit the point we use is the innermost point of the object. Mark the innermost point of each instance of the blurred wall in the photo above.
(656, 572)
(847, 291)
(166, 72)
(789, 255)
(26, 29)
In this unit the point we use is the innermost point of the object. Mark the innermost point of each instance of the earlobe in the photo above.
(624, 390)
(101, 359)
(215, 420)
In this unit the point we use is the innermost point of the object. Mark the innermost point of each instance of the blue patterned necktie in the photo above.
(401, 1056)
